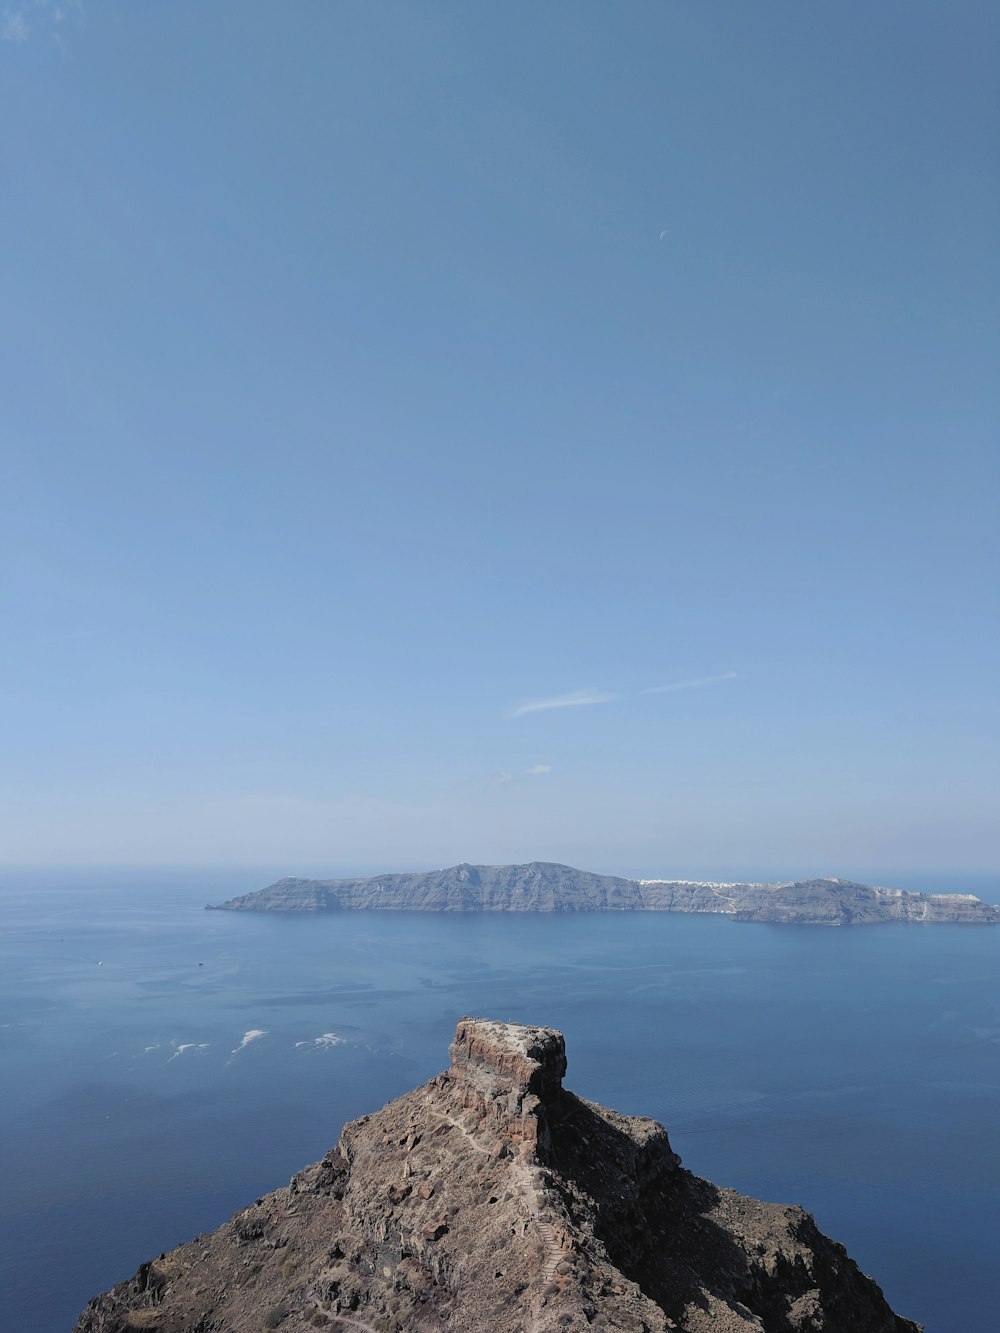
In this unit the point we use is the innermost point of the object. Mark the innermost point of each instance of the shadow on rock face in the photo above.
(492, 1200)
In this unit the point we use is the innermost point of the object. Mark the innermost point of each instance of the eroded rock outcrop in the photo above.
(492, 1200)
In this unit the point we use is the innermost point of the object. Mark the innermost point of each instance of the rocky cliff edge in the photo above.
(492, 1200)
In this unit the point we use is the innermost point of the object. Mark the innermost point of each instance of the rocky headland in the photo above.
(493, 1200)
(543, 886)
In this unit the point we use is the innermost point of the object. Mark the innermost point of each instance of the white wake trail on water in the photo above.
(253, 1034)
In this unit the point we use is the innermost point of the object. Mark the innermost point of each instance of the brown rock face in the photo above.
(494, 1201)
(508, 1076)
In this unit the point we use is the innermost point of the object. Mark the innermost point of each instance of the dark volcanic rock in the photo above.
(543, 886)
(494, 1201)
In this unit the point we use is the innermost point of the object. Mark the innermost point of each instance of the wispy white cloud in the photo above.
(14, 27)
(505, 778)
(575, 699)
(696, 683)
(586, 698)
(45, 15)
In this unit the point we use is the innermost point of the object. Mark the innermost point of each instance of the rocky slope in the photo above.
(542, 886)
(839, 902)
(494, 1201)
(539, 886)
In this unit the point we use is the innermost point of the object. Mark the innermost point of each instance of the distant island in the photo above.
(544, 886)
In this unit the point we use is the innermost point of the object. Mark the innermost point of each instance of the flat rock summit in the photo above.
(544, 886)
(493, 1200)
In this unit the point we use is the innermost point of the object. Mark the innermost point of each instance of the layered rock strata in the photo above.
(492, 1200)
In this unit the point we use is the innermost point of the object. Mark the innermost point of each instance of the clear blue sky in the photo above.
(373, 370)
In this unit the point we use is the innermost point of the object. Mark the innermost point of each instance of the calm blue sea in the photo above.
(163, 1066)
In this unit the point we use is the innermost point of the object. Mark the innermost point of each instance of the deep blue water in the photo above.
(854, 1071)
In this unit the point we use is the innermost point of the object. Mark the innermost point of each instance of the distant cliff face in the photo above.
(542, 886)
(842, 903)
(492, 1200)
(539, 886)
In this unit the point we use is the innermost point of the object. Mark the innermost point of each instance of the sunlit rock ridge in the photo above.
(492, 1200)
(544, 886)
